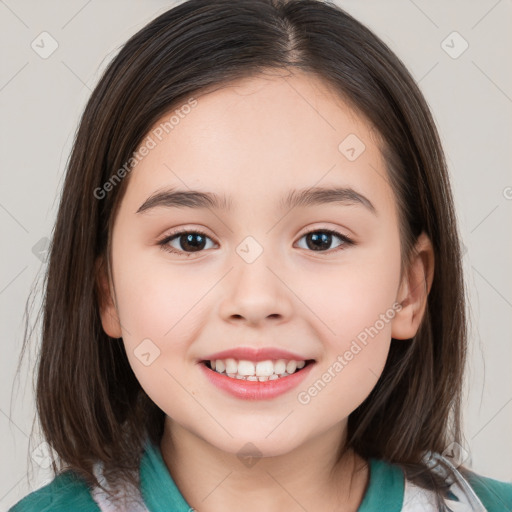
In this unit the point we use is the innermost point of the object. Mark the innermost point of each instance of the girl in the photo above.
(254, 296)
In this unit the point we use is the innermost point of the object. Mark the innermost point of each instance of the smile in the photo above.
(273, 379)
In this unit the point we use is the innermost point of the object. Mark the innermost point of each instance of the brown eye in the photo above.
(321, 240)
(187, 241)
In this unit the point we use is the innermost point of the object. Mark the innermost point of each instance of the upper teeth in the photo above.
(260, 368)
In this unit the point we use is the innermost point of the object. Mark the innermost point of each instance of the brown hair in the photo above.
(90, 404)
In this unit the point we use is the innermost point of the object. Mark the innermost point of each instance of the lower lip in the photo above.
(255, 390)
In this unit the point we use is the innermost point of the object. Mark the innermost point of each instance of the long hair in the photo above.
(90, 404)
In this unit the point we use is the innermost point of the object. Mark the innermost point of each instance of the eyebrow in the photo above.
(312, 196)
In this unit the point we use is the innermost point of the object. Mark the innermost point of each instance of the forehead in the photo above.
(260, 137)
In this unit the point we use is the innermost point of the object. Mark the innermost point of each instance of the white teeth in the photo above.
(231, 366)
(264, 368)
(256, 371)
(291, 366)
(246, 368)
(280, 367)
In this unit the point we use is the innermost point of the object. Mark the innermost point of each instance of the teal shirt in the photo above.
(385, 490)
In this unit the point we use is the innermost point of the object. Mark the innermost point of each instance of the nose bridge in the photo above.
(254, 291)
(254, 260)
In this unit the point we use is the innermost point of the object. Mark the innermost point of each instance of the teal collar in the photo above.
(157, 487)
(385, 490)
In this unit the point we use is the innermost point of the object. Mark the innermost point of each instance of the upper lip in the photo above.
(255, 354)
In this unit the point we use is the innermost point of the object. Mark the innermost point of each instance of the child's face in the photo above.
(255, 143)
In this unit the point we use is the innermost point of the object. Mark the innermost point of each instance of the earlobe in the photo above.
(107, 308)
(414, 290)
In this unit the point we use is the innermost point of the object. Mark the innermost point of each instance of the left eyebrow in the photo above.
(312, 196)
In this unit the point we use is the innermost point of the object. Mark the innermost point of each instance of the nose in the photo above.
(256, 292)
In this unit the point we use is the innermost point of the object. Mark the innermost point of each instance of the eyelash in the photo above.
(165, 241)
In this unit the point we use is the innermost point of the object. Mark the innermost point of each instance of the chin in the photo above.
(250, 447)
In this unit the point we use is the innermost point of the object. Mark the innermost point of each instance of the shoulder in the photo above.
(495, 495)
(466, 491)
(65, 492)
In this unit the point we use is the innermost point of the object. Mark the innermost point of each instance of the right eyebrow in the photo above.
(172, 198)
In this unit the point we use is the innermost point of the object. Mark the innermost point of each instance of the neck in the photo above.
(310, 477)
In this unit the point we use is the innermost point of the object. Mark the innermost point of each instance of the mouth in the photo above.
(256, 380)
(260, 371)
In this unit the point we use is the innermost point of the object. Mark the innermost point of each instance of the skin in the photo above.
(255, 140)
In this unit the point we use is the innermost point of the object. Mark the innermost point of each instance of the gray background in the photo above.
(470, 94)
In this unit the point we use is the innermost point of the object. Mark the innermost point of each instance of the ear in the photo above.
(108, 310)
(414, 290)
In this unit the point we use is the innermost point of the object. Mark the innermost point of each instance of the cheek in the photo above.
(157, 300)
(355, 349)
(160, 312)
(158, 321)
(356, 306)
(352, 297)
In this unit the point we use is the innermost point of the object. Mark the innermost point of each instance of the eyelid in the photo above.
(187, 229)
(325, 227)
